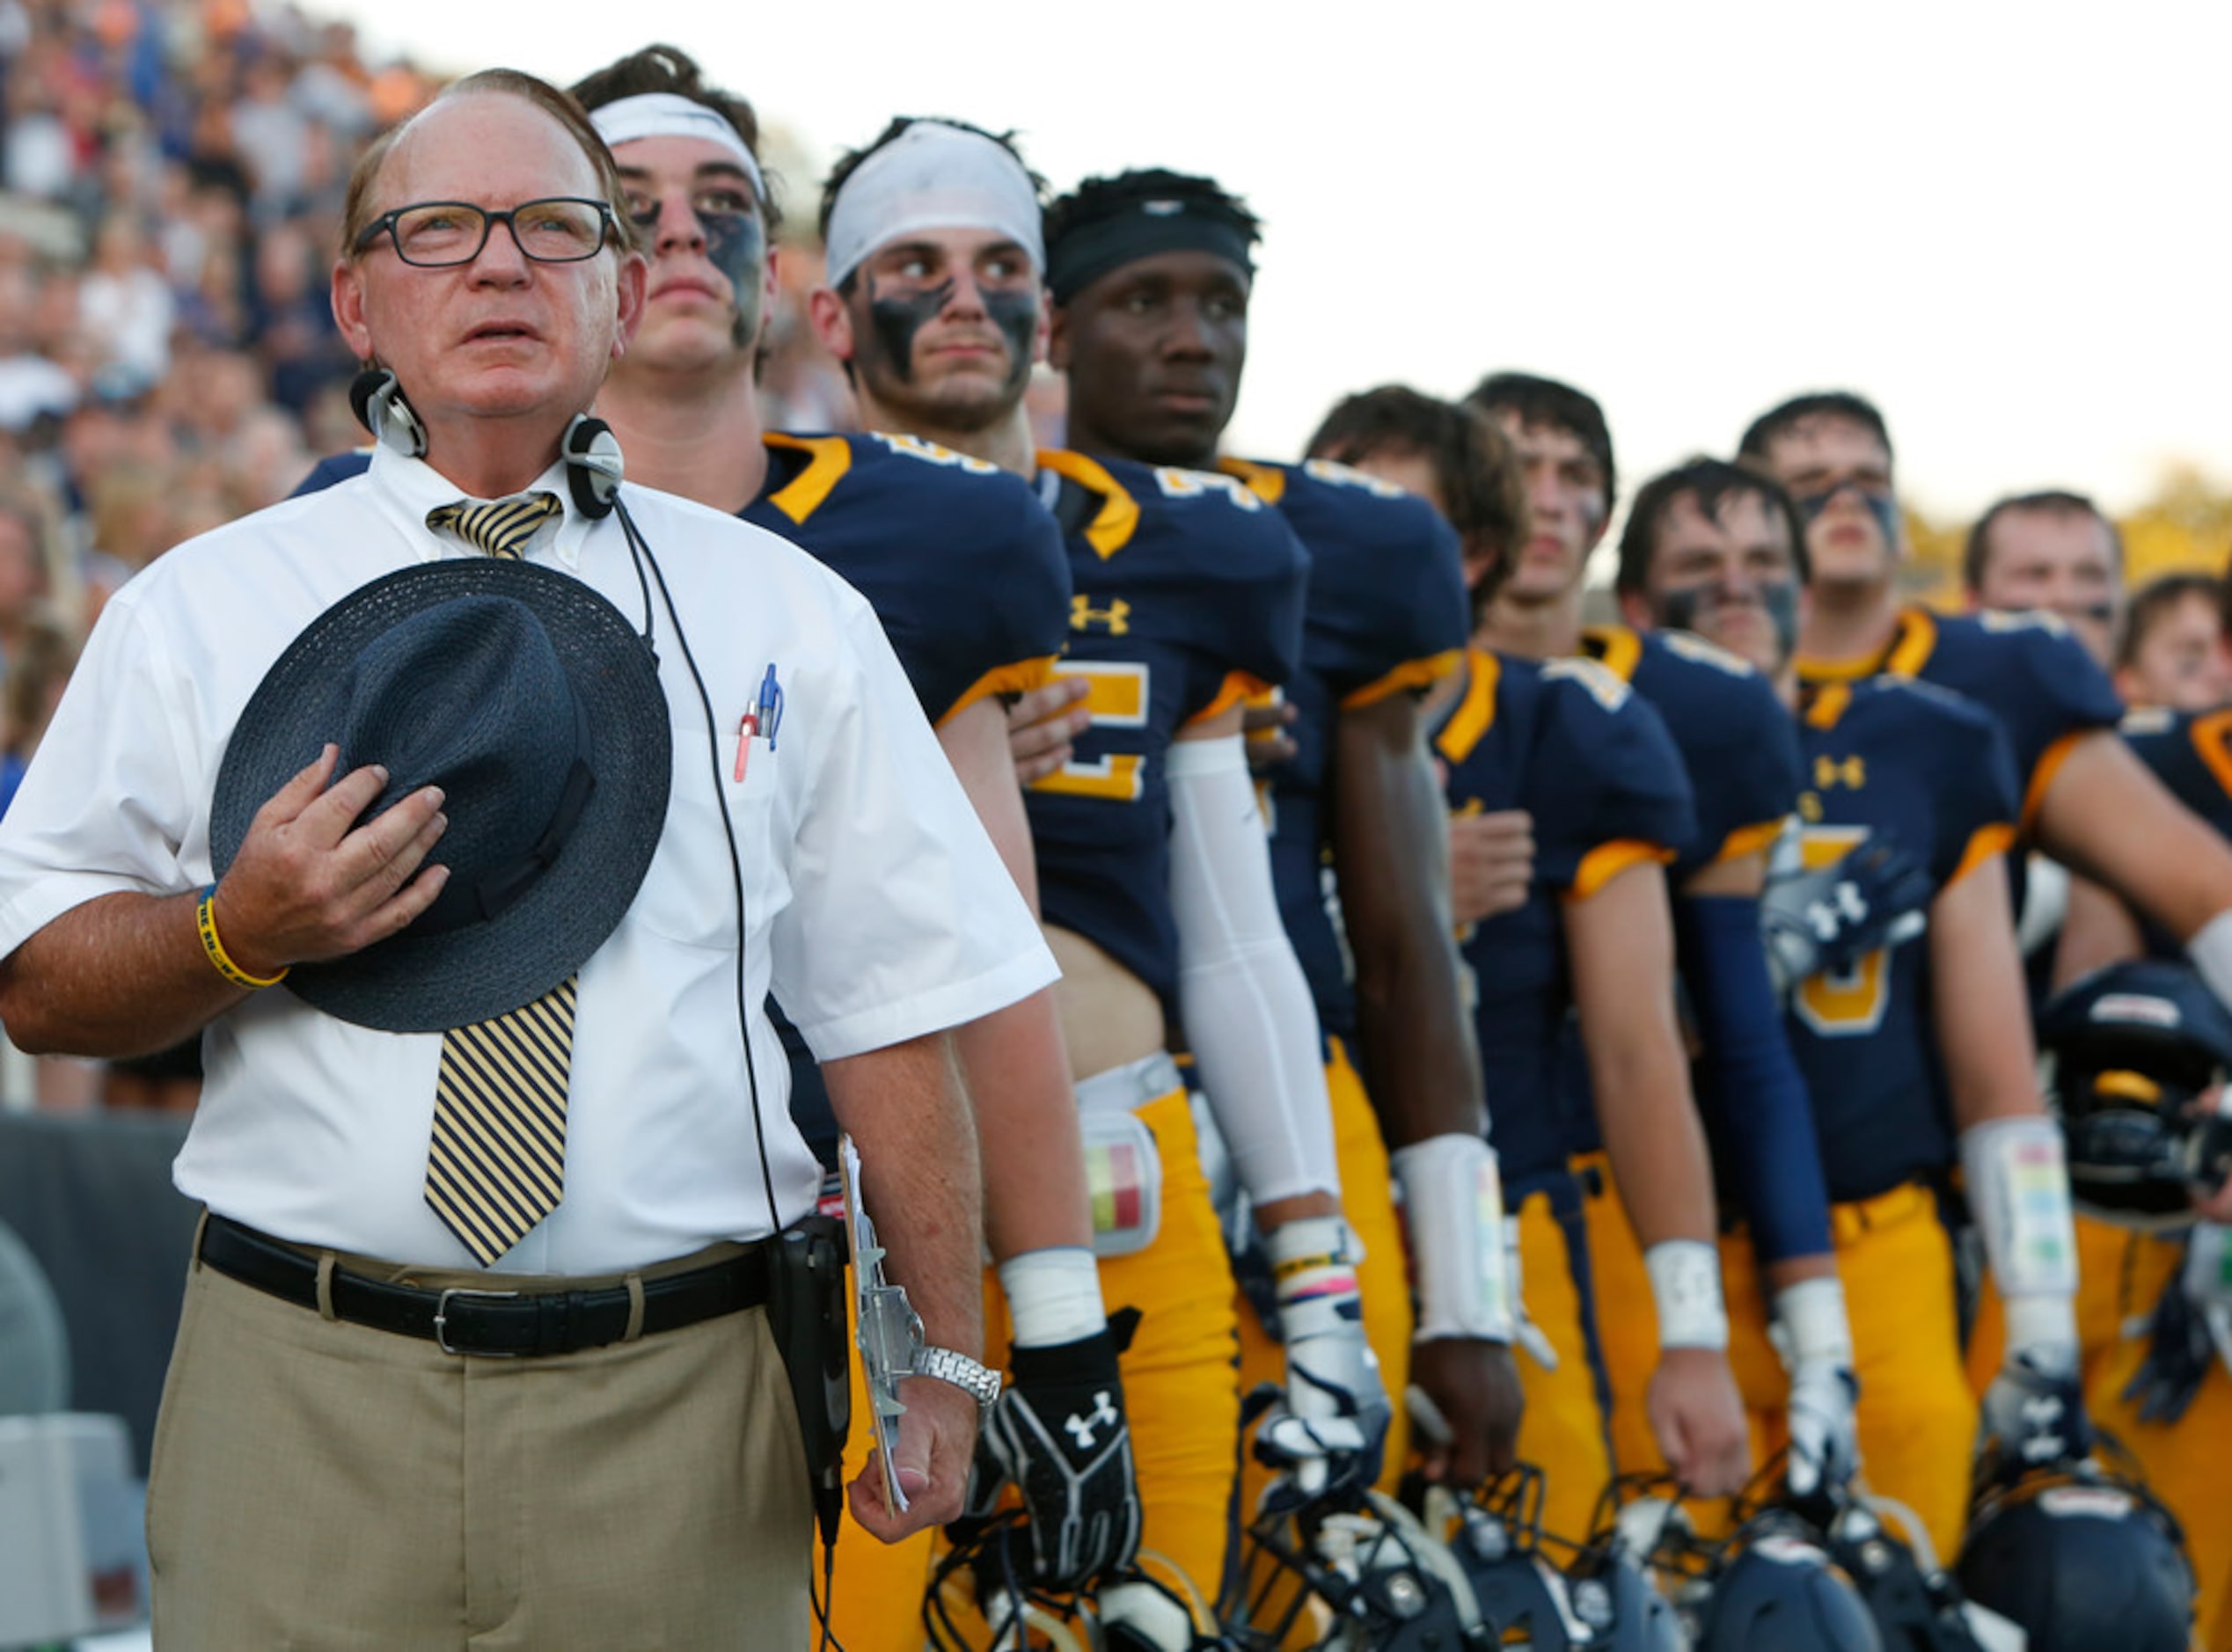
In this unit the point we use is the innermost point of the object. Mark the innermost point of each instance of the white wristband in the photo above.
(1053, 1295)
(1813, 1315)
(1686, 1284)
(2211, 951)
(1454, 1205)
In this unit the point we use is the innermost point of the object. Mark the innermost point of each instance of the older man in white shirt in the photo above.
(334, 1466)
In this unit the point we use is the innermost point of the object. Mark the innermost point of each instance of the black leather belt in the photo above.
(488, 1323)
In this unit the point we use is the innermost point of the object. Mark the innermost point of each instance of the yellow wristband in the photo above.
(205, 919)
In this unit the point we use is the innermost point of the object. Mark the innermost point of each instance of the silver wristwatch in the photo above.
(979, 1382)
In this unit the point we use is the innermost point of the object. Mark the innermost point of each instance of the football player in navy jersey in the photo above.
(1592, 767)
(1740, 752)
(1153, 879)
(966, 571)
(1916, 1051)
(2085, 800)
(1151, 273)
(2155, 1373)
(2050, 551)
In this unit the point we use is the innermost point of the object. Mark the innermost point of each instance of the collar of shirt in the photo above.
(407, 488)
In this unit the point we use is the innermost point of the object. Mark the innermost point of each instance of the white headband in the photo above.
(933, 177)
(667, 115)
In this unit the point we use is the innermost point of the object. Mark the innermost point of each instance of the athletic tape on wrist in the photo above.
(1452, 1199)
(1314, 1263)
(1813, 1315)
(1053, 1295)
(2018, 1191)
(1686, 1284)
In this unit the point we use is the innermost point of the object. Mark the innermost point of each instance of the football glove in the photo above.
(1827, 920)
(2192, 1328)
(1812, 1333)
(1825, 1441)
(1328, 1427)
(1059, 1436)
(2034, 1417)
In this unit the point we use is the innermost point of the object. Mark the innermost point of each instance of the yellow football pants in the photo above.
(1368, 1203)
(2184, 1461)
(1179, 1392)
(1562, 1432)
(1916, 1415)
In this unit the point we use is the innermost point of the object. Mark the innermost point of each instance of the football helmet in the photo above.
(1358, 1575)
(1601, 1597)
(2080, 1556)
(1772, 1583)
(1916, 1604)
(1777, 1591)
(2124, 1054)
(981, 1599)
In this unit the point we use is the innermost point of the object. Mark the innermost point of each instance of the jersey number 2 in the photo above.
(1116, 697)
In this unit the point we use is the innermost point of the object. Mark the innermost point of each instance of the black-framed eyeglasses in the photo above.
(437, 234)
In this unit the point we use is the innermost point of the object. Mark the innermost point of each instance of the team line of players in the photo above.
(1449, 752)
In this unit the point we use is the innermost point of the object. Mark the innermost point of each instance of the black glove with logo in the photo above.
(1060, 1434)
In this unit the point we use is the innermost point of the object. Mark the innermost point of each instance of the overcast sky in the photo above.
(2004, 222)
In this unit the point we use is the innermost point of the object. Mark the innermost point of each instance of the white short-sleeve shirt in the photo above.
(875, 907)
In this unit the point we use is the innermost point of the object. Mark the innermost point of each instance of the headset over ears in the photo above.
(593, 467)
(377, 398)
(592, 453)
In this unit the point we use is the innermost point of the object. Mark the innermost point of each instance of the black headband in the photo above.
(1092, 250)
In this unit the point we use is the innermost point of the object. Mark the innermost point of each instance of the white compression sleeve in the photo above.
(1249, 1019)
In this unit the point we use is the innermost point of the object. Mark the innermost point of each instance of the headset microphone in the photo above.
(377, 398)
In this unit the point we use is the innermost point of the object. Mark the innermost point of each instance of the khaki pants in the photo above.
(321, 1485)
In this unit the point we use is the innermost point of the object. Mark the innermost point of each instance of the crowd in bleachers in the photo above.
(172, 172)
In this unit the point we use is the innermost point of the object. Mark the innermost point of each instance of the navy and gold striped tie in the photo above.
(496, 1166)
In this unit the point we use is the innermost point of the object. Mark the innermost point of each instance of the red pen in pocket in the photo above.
(746, 728)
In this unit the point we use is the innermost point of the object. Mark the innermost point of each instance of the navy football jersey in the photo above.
(959, 559)
(2026, 669)
(1737, 743)
(1594, 764)
(2191, 754)
(335, 467)
(1387, 615)
(1187, 596)
(1887, 758)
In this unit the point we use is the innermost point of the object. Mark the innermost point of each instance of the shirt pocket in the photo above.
(690, 894)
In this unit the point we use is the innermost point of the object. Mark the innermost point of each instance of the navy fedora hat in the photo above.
(535, 706)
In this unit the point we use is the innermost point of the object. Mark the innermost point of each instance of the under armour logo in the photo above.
(1081, 1428)
(1827, 771)
(1116, 617)
(1829, 918)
